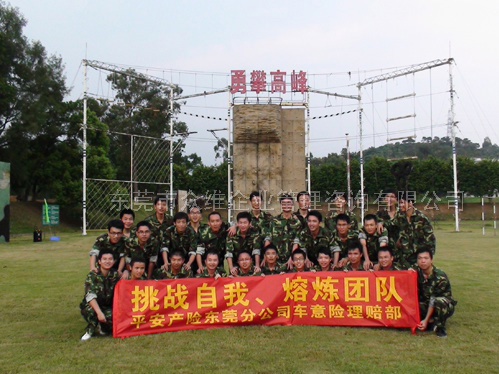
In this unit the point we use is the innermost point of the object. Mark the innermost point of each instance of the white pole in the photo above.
(84, 201)
(170, 200)
(229, 162)
(349, 188)
(309, 183)
(131, 171)
(483, 217)
(454, 153)
(361, 158)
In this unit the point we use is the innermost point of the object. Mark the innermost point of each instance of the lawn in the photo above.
(42, 286)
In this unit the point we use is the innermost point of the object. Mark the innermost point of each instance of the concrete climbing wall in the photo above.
(269, 151)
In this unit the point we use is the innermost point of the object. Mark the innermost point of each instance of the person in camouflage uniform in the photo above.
(312, 237)
(160, 220)
(283, 230)
(211, 269)
(416, 233)
(113, 241)
(341, 203)
(246, 239)
(180, 237)
(143, 245)
(97, 304)
(212, 238)
(436, 303)
(343, 237)
(386, 261)
(176, 270)
(325, 259)
(137, 269)
(387, 216)
(195, 217)
(127, 216)
(245, 267)
(259, 219)
(271, 265)
(299, 262)
(372, 240)
(303, 199)
(354, 258)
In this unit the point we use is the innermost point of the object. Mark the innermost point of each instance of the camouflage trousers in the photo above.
(444, 309)
(90, 316)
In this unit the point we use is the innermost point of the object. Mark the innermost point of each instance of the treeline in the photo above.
(478, 178)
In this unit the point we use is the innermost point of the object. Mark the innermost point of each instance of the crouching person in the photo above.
(97, 304)
(436, 303)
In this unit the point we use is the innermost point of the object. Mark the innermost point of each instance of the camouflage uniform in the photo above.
(319, 268)
(414, 235)
(250, 273)
(220, 271)
(394, 267)
(390, 224)
(348, 267)
(162, 274)
(303, 220)
(103, 242)
(149, 253)
(279, 268)
(330, 221)
(342, 246)
(263, 221)
(158, 229)
(251, 243)
(210, 241)
(282, 234)
(202, 226)
(436, 291)
(187, 242)
(307, 270)
(100, 288)
(374, 241)
(311, 245)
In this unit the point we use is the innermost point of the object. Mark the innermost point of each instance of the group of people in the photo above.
(398, 237)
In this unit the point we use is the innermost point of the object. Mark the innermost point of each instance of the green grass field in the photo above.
(42, 286)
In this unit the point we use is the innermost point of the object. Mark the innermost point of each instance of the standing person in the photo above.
(127, 216)
(113, 241)
(416, 233)
(313, 236)
(143, 245)
(283, 231)
(303, 199)
(259, 218)
(371, 239)
(341, 202)
(436, 303)
(180, 237)
(343, 237)
(195, 218)
(160, 220)
(388, 215)
(97, 304)
(246, 239)
(212, 238)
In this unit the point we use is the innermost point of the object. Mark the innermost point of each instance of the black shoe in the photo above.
(441, 333)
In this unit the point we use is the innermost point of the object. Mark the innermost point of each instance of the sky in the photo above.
(196, 44)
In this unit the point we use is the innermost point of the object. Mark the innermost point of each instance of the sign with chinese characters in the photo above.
(258, 82)
(370, 299)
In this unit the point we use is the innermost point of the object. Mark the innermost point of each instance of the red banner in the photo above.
(370, 299)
